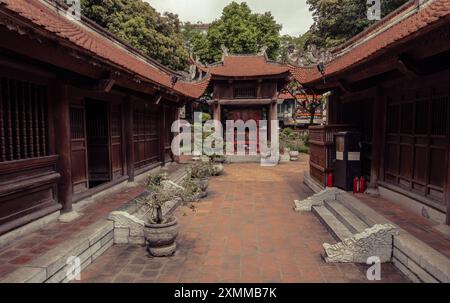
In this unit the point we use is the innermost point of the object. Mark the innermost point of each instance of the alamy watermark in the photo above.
(374, 9)
(73, 272)
(374, 272)
(73, 8)
(241, 138)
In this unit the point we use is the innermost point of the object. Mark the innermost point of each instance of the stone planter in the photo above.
(294, 155)
(218, 169)
(219, 159)
(160, 238)
(202, 183)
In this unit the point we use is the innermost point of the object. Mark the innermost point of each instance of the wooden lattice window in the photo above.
(23, 120)
(244, 92)
(77, 123)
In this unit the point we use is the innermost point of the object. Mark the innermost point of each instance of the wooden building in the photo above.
(246, 87)
(392, 83)
(80, 111)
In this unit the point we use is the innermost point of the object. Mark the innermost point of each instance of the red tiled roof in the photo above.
(429, 14)
(45, 17)
(245, 66)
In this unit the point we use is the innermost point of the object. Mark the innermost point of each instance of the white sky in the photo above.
(292, 14)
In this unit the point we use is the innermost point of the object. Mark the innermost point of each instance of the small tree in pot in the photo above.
(160, 230)
(200, 172)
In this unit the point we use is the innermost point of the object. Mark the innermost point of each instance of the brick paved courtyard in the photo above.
(245, 231)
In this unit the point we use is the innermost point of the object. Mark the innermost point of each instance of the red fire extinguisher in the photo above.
(330, 179)
(362, 185)
(355, 185)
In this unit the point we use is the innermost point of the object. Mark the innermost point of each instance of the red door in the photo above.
(246, 115)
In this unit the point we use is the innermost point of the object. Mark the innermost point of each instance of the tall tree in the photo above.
(241, 31)
(336, 21)
(140, 25)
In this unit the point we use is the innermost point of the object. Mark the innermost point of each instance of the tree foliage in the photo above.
(238, 29)
(140, 25)
(336, 21)
(303, 100)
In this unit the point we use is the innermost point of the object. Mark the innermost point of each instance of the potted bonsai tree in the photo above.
(191, 192)
(200, 172)
(160, 230)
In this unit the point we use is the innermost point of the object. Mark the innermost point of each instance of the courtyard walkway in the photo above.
(244, 231)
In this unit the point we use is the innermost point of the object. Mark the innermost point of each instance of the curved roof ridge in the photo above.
(413, 21)
(43, 15)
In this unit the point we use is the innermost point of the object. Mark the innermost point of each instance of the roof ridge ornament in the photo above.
(309, 57)
(225, 51)
(263, 51)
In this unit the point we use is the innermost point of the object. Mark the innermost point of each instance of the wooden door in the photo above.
(98, 142)
(245, 115)
(78, 146)
(117, 165)
(145, 135)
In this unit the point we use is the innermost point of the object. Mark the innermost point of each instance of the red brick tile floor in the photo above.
(416, 225)
(27, 248)
(244, 231)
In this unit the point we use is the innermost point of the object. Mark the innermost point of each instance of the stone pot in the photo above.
(219, 159)
(160, 238)
(218, 169)
(202, 183)
(294, 154)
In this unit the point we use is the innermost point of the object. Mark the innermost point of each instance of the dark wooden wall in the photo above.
(28, 166)
(417, 137)
(97, 126)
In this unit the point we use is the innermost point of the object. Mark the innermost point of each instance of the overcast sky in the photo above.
(292, 14)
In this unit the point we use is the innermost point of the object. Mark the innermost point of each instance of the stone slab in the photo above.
(26, 275)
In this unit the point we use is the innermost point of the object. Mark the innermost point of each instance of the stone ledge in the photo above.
(51, 267)
(311, 183)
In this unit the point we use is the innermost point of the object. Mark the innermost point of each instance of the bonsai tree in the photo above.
(200, 170)
(191, 193)
(155, 203)
(156, 180)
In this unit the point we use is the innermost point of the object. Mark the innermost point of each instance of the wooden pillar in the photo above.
(162, 134)
(63, 145)
(332, 107)
(377, 136)
(129, 138)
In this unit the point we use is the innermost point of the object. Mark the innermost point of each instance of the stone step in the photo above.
(363, 212)
(338, 230)
(345, 216)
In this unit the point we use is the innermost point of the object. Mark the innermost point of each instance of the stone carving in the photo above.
(317, 199)
(376, 241)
